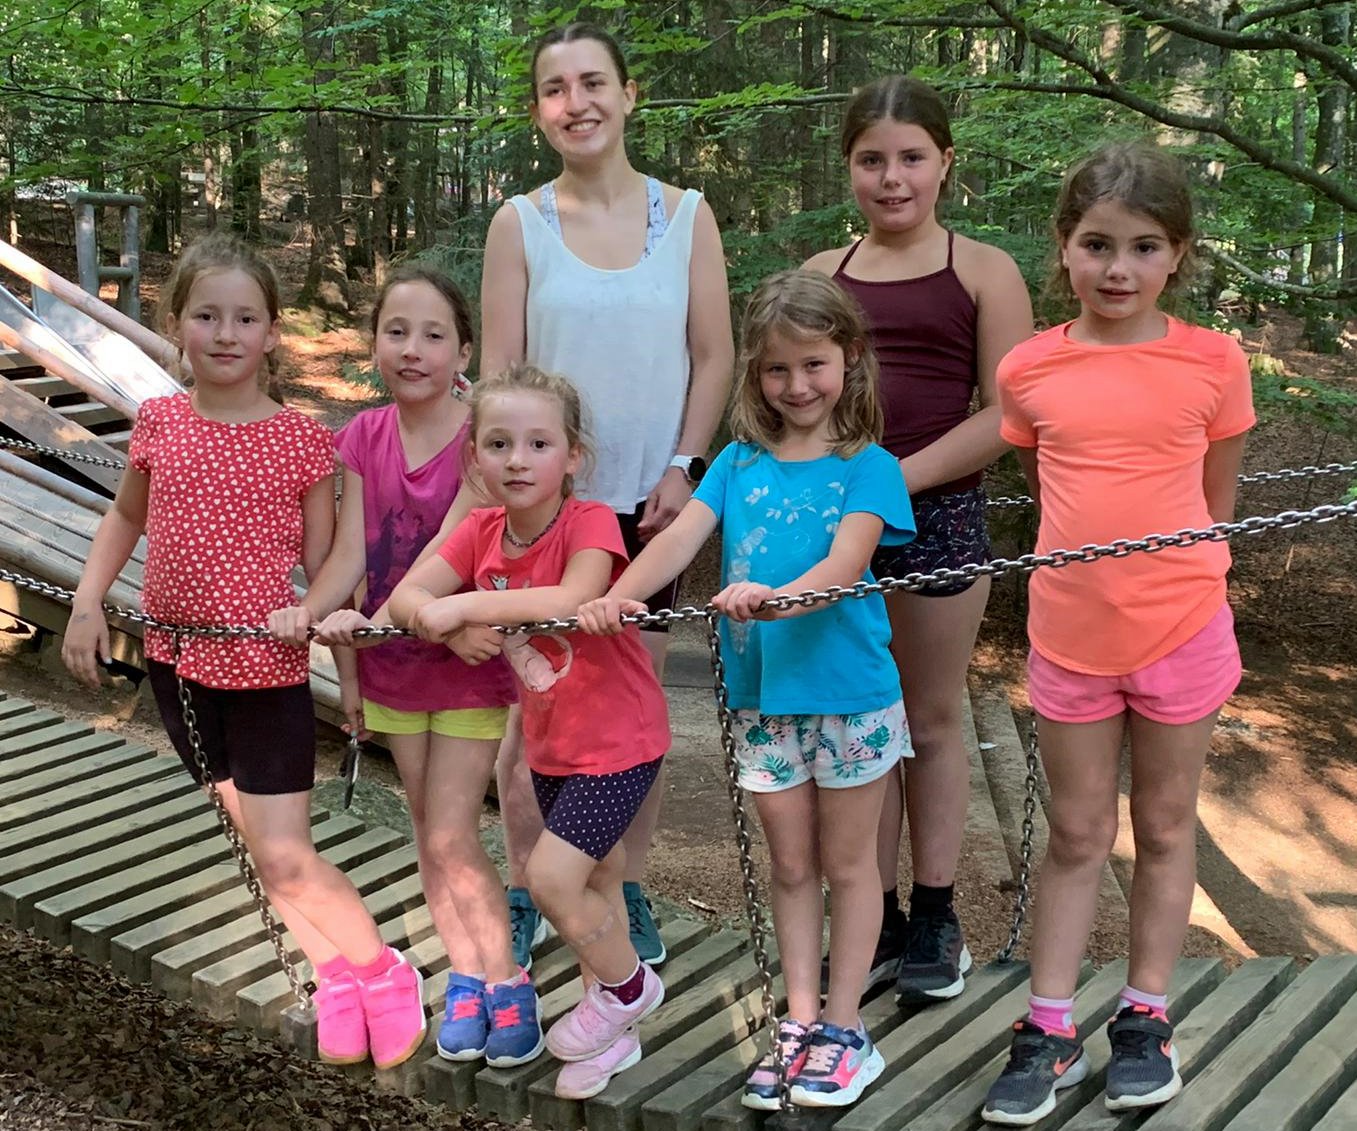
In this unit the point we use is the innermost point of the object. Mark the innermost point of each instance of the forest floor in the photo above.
(1277, 841)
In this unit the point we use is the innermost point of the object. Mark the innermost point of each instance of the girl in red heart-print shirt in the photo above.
(232, 491)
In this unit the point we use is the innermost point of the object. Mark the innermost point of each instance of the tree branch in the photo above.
(833, 13)
(1278, 11)
(1338, 294)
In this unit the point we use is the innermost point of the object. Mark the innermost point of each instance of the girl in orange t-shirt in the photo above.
(1125, 421)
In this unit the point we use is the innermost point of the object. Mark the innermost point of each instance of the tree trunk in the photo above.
(327, 283)
(1322, 321)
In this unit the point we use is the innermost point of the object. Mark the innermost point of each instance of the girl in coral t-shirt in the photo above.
(232, 491)
(1126, 422)
(595, 722)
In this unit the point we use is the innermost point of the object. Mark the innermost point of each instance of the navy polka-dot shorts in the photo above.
(592, 811)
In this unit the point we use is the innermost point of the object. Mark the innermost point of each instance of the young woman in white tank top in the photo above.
(617, 282)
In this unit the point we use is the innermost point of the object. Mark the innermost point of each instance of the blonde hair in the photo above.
(807, 305)
(525, 378)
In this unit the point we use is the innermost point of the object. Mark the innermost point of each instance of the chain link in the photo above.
(1029, 812)
(61, 453)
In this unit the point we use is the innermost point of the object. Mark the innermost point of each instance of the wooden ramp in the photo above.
(108, 848)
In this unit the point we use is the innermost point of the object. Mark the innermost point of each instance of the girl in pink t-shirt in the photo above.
(1126, 421)
(595, 722)
(443, 718)
(232, 491)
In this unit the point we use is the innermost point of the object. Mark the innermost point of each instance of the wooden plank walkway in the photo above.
(107, 847)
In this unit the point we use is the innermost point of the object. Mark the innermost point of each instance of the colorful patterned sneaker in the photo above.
(839, 1065)
(890, 946)
(760, 1088)
(1039, 1065)
(1143, 1070)
(584, 1078)
(466, 1021)
(341, 1029)
(935, 960)
(526, 926)
(645, 936)
(394, 1008)
(515, 1030)
(600, 1019)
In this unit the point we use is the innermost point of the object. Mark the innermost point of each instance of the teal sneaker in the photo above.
(645, 936)
(526, 926)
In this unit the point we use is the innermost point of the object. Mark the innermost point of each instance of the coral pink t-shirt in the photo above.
(224, 532)
(591, 704)
(1121, 433)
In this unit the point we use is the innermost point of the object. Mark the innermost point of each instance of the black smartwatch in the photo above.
(693, 467)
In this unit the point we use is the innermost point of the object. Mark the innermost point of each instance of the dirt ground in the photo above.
(1277, 843)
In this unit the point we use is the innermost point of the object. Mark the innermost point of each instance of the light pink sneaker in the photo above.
(599, 1019)
(584, 1078)
(394, 1009)
(341, 1029)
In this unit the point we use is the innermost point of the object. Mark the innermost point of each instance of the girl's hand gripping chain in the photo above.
(338, 629)
(292, 625)
(745, 600)
(477, 643)
(603, 615)
(438, 620)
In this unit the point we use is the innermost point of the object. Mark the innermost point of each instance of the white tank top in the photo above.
(622, 339)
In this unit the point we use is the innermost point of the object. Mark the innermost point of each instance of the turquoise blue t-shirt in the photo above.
(778, 519)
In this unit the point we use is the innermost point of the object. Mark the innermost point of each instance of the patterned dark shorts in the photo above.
(952, 533)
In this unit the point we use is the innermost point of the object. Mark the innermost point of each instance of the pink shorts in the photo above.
(1188, 684)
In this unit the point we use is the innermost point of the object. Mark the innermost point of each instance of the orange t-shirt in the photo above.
(1121, 433)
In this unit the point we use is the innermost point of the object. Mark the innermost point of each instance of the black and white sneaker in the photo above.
(1143, 1070)
(1039, 1065)
(935, 961)
(890, 945)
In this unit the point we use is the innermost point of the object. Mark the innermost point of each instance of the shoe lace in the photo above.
(508, 1016)
(638, 912)
(923, 941)
(1027, 1049)
(518, 924)
(824, 1057)
(466, 1007)
(790, 1040)
(1132, 1043)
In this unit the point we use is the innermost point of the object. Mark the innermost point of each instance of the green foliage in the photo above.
(1279, 394)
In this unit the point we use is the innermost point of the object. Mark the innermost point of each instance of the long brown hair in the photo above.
(897, 98)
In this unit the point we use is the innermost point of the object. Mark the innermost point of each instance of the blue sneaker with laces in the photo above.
(466, 1021)
(839, 1065)
(645, 936)
(527, 928)
(515, 1025)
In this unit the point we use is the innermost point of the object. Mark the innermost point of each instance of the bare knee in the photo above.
(285, 870)
(934, 728)
(1163, 830)
(450, 851)
(796, 871)
(1082, 842)
(553, 889)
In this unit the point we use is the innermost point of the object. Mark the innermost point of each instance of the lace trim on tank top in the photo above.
(657, 219)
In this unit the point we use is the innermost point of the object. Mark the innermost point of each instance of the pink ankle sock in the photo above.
(379, 965)
(333, 968)
(1158, 1003)
(522, 978)
(630, 990)
(1052, 1014)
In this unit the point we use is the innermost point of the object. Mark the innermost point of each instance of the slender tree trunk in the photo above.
(1331, 127)
(327, 284)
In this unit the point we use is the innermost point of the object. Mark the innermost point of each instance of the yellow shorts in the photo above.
(469, 722)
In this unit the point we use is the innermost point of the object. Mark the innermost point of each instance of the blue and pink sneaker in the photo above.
(466, 1020)
(760, 1087)
(839, 1065)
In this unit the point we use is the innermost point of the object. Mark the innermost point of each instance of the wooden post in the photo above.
(92, 272)
(129, 290)
(86, 246)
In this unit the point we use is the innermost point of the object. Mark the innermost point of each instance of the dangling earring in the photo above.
(461, 386)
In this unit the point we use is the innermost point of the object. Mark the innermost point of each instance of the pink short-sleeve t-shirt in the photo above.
(591, 704)
(1121, 433)
(403, 507)
(224, 532)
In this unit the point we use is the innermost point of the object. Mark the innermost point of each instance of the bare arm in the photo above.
(334, 585)
(1027, 460)
(1003, 319)
(504, 294)
(318, 525)
(668, 554)
(1220, 476)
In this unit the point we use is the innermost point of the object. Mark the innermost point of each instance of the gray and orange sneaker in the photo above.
(1143, 1070)
(1039, 1065)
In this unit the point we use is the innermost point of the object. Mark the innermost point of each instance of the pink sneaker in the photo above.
(341, 1029)
(584, 1078)
(394, 1008)
(600, 1019)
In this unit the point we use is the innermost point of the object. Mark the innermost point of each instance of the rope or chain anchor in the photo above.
(233, 838)
(1029, 812)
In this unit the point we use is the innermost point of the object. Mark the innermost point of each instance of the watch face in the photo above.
(697, 468)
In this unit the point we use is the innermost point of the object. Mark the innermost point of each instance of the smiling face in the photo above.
(580, 102)
(522, 450)
(1119, 262)
(225, 328)
(416, 347)
(897, 172)
(802, 379)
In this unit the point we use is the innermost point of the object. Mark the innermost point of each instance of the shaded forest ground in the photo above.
(1278, 843)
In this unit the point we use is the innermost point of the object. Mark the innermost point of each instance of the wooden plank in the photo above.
(502, 1093)
(713, 954)
(1230, 1081)
(44, 386)
(36, 422)
(38, 745)
(131, 952)
(82, 817)
(92, 786)
(1306, 1086)
(113, 756)
(961, 1052)
(959, 1109)
(173, 967)
(984, 838)
(11, 707)
(89, 413)
(1342, 1116)
(24, 723)
(18, 895)
(1210, 1027)
(82, 842)
(72, 741)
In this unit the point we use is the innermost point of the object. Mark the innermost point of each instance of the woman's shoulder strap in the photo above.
(852, 251)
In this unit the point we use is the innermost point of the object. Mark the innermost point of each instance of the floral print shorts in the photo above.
(776, 752)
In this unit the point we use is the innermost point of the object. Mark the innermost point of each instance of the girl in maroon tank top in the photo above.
(942, 310)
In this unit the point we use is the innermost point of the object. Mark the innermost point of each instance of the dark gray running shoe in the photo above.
(935, 962)
(890, 945)
(1143, 1070)
(1039, 1065)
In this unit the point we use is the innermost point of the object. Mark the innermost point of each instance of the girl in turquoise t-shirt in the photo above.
(803, 497)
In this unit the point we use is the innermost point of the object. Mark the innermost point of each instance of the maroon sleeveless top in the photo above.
(923, 331)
